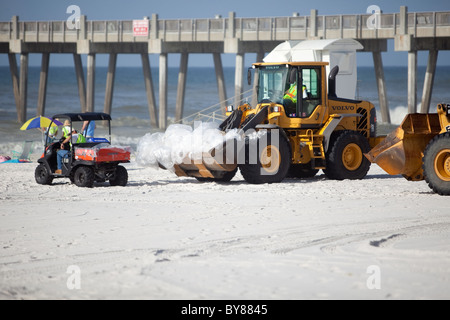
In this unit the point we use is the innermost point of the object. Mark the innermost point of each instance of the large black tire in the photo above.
(120, 177)
(436, 164)
(301, 171)
(345, 156)
(272, 159)
(42, 175)
(84, 177)
(227, 177)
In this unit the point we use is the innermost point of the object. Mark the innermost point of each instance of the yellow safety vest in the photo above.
(292, 93)
(81, 138)
(53, 131)
(66, 132)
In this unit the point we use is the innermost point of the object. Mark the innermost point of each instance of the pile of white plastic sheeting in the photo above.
(180, 143)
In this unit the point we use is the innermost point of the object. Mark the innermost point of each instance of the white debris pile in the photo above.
(180, 143)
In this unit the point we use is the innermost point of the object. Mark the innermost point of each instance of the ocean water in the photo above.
(130, 110)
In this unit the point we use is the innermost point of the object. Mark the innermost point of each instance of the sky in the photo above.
(31, 10)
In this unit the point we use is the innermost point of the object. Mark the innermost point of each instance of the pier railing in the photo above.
(419, 24)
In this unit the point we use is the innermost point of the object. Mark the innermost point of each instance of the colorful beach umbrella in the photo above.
(40, 122)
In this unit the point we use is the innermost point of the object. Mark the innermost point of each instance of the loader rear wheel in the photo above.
(273, 158)
(436, 164)
(345, 156)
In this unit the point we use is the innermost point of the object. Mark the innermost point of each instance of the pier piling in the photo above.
(80, 80)
(110, 83)
(429, 81)
(182, 75)
(42, 93)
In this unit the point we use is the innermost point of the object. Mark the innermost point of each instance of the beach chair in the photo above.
(25, 154)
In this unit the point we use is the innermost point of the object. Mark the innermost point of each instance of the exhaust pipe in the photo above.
(332, 82)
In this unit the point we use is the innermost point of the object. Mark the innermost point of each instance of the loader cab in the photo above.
(297, 87)
(309, 95)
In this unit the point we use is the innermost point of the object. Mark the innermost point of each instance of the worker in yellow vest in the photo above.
(51, 132)
(64, 150)
(290, 99)
(66, 129)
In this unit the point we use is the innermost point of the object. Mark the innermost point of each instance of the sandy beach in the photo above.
(164, 237)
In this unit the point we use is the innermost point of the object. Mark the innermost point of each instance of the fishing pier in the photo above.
(411, 32)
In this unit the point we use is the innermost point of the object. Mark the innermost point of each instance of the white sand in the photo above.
(164, 237)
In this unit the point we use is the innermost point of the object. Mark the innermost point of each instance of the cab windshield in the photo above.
(271, 84)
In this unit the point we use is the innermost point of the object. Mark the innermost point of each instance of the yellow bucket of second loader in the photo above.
(401, 152)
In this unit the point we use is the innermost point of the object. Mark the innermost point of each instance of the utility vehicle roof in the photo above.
(87, 116)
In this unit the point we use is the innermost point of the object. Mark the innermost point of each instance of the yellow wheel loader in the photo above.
(419, 150)
(299, 126)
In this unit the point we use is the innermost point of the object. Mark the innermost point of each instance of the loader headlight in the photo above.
(230, 108)
(276, 109)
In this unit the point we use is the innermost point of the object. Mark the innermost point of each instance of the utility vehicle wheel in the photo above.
(84, 177)
(301, 171)
(267, 158)
(345, 156)
(227, 177)
(120, 177)
(436, 164)
(42, 175)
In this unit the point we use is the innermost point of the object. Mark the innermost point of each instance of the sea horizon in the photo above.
(130, 108)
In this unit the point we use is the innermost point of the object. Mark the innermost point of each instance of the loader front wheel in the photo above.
(267, 158)
(436, 164)
(345, 156)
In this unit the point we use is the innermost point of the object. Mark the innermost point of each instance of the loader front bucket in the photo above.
(213, 164)
(401, 152)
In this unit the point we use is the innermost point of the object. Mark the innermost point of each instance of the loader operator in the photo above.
(290, 99)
